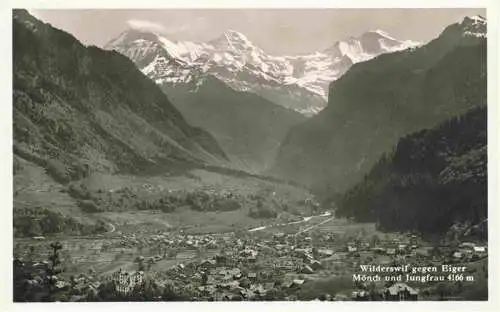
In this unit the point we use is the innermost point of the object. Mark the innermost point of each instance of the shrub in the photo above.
(167, 207)
(195, 205)
(89, 206)
(78, 191)
(57, 170)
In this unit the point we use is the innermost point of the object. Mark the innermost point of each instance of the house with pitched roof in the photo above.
(400, 292)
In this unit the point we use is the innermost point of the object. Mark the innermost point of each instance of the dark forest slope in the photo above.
(78, 109)
(434, 178)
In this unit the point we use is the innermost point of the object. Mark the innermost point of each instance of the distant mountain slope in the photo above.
(434, 178)
(248, 127)
(78, 109)
(378, 101)
(297, 82)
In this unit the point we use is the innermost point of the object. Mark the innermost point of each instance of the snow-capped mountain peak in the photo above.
(368, 45)
(382, 34)
(236, 36)
(476, 19)
(132, 36)
(232, 40)
(298, 82)
(474, 26)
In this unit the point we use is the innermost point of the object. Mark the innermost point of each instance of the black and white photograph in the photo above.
(249, 154)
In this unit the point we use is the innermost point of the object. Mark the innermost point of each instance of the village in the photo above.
(290, 262)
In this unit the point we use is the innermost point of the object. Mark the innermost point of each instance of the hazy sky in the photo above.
(277, 31)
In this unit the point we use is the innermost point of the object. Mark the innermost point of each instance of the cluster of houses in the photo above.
(465, 252)
(469, 252)
(395, 292)
(410, 251)
(248, 266)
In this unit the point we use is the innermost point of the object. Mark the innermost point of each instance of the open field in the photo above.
(118, 197)
(35, 189)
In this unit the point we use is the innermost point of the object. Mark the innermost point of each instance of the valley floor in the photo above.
(315, 258)
(303, 253)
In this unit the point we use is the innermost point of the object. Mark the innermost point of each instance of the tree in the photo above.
(172, 253)
(436, 251)
(89, 206)
(315, 252)
(31, 253)
(204, 278)
(141, 266)
(53, 270)
(372, 289)
(150, 264)
(375, 240)
(54, 258)
(57, 170)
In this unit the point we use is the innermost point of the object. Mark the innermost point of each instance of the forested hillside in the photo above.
(433, 179)
(79, 109)
(379, 101)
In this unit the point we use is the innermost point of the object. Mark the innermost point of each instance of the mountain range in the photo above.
(405, 125)
(247, 99)
(383, 99)
(298, 82)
